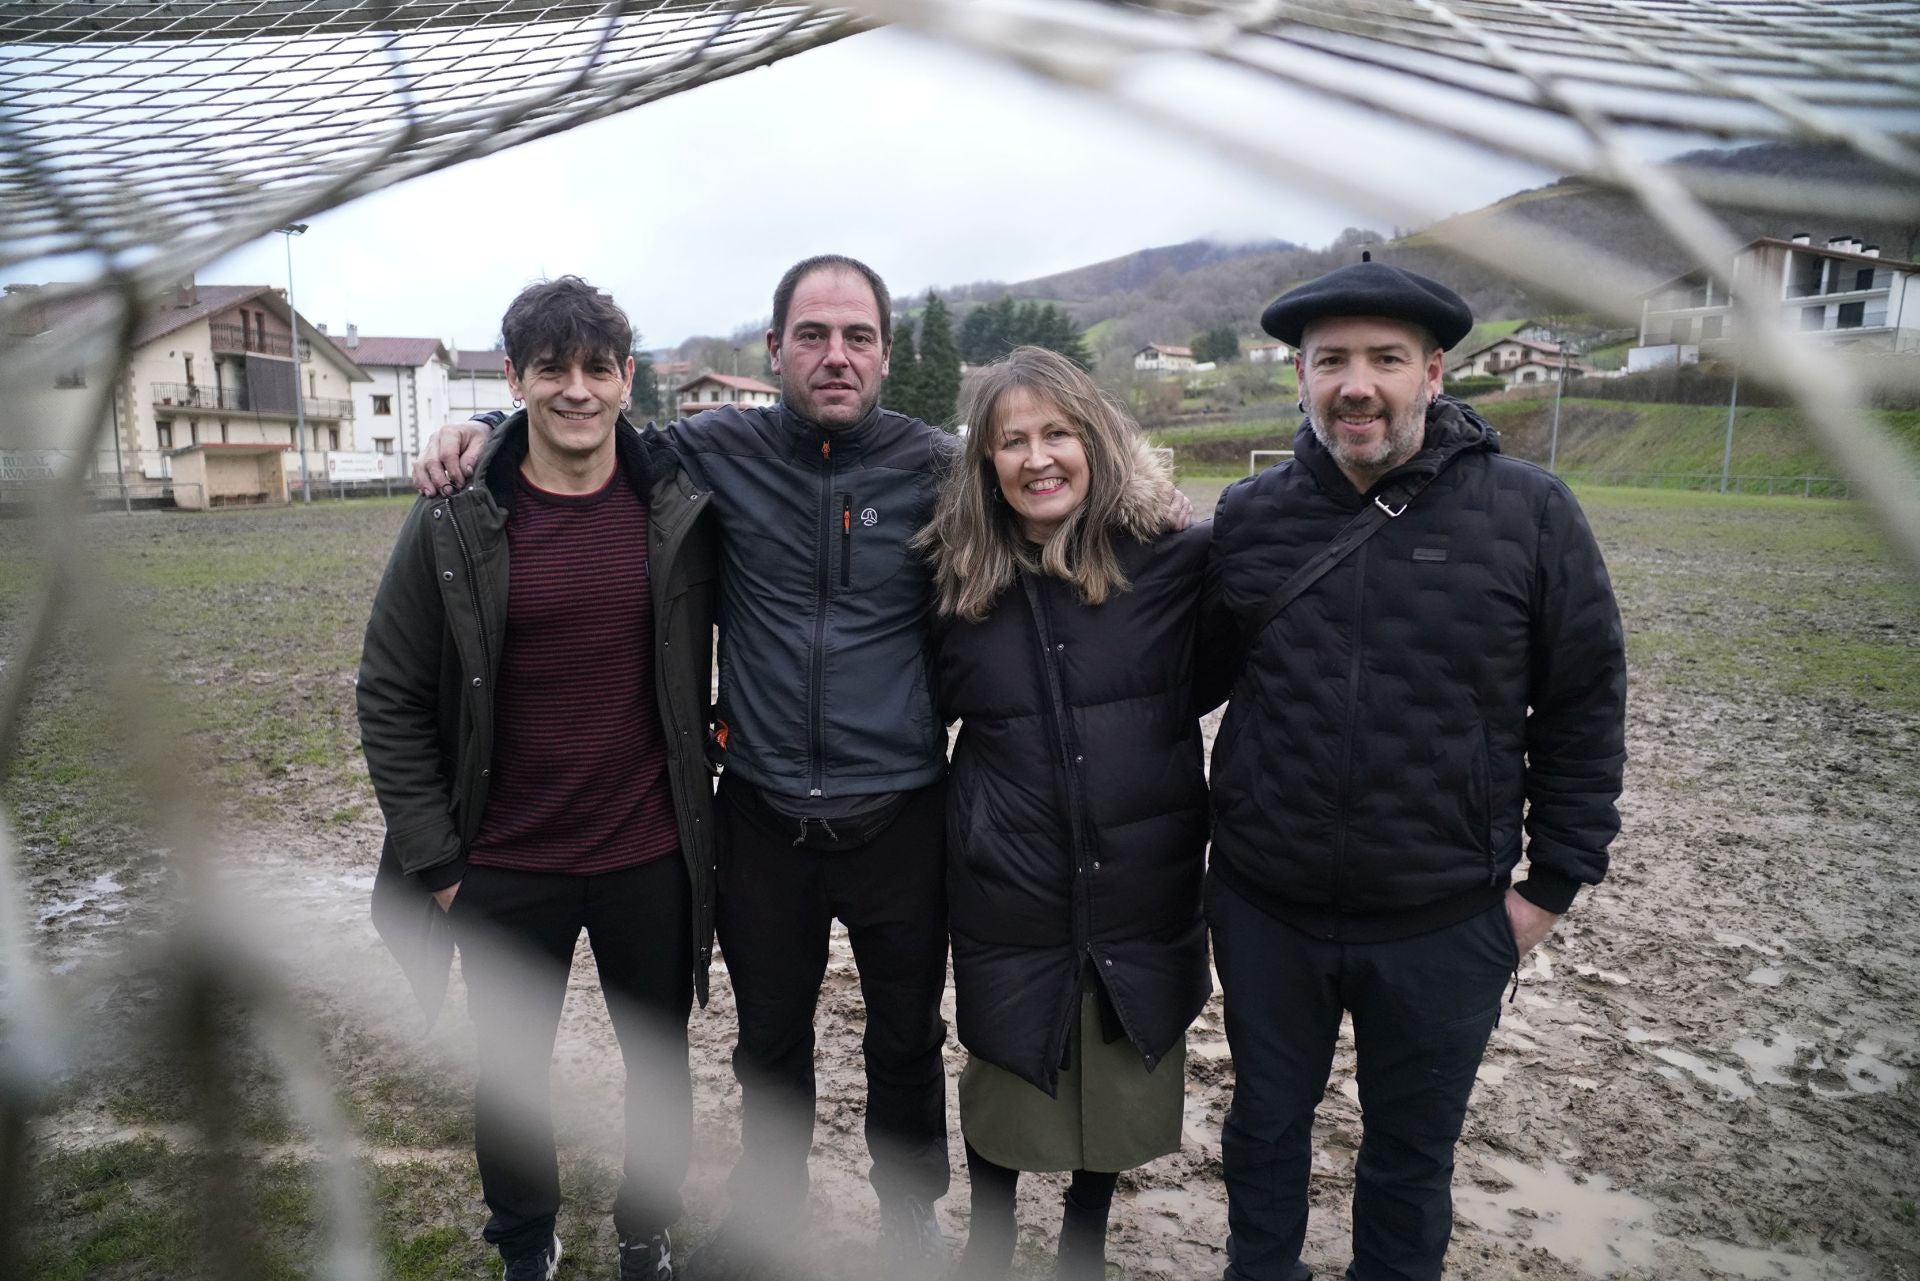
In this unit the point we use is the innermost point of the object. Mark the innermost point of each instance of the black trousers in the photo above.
(777, 903)
(516, 933)
(1422, 1010)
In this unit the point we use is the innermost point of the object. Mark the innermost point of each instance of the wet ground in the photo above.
(1709, 1070)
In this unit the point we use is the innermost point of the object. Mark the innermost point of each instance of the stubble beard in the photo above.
(1406, 433)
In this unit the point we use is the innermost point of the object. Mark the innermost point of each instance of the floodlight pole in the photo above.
(1559, 386)
(291, 230)
(1726, 452)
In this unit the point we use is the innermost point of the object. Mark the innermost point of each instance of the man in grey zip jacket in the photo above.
(833, 800)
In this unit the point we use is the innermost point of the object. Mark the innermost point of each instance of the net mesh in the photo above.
(139, 141)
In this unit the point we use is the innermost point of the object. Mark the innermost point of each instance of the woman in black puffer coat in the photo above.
(1077, 803)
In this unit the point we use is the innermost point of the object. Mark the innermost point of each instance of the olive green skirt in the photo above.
(1111, 1114)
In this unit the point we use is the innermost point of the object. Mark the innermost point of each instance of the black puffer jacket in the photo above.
(1458, 680)
(1076, 811)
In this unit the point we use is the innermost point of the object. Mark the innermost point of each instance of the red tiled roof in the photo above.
(208, 300)
(730, 381)
(408, 352)
(166, 316)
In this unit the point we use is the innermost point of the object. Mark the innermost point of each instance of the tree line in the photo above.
(924, 378)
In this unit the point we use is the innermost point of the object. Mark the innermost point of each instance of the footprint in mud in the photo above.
(1831, 1069)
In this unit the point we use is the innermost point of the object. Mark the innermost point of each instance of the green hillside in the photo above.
(1597, 438)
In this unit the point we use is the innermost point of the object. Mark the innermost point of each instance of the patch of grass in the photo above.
(139, 1209)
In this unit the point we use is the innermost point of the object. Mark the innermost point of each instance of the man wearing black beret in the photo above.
(1431, 690)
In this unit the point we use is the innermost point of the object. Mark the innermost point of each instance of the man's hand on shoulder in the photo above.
(1530, 923)
(449, 458)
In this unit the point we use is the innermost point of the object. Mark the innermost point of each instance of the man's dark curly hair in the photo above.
(566, 318)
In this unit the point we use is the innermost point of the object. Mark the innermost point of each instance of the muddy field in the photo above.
(1711, 1070)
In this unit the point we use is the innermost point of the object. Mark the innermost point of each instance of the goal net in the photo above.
(140, 139)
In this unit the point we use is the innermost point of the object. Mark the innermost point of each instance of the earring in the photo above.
(517, 402)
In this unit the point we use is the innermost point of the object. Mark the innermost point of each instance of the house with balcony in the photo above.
(711, 390)
(1842, 293)
(408, 395)
(1163, 358)
(211, 404)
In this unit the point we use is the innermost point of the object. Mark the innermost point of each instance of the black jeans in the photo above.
(516, 932)
(1422, 1010)
(776, 907)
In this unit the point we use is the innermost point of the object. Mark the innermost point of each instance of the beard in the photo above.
(1406, 433)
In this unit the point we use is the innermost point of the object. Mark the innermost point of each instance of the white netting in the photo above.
(149, 138)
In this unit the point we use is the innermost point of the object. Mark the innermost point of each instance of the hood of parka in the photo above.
(1453, 429)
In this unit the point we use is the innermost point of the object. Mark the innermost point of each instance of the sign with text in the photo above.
(354, 466)
(23, 466)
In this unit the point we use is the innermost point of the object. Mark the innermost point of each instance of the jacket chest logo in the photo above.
(869, 518)
(1430, 555)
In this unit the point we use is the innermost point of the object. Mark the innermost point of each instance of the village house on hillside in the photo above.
(1843, 294)
(711, 390)
(1516, 361)
(408, 394)
(1163, 358)
(1269, 353)
(206, 409)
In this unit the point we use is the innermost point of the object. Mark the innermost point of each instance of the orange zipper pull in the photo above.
(826, 449)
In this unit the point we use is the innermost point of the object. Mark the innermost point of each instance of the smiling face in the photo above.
(832, 358)
(1039, 460)
(1366, 382)
(573, 403)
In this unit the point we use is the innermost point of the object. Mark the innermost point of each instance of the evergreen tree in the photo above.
(902, 394)
(977, 335)
(1219, 345)
(939, 366)
(646, 387)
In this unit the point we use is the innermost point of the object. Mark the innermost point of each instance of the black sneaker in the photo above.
(911, 1244)
(648, 1259)
(534, 1267)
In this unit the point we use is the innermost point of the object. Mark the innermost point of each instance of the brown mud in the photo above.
(1711, 1070)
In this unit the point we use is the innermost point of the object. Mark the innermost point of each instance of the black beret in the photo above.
(1370, 289)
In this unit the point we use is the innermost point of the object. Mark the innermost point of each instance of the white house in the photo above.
(407, 396)
(1842, 294)
(206, 409)
(711, 390)
(479, 382)
(1498, 355)
(1269, 353)
(1163, 358)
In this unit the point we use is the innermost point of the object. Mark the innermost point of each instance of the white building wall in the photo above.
(418, 401)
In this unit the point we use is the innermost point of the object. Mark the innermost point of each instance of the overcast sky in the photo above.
(936, 167)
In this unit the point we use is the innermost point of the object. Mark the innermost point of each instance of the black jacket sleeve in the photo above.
(1576, 728)
(397, 695)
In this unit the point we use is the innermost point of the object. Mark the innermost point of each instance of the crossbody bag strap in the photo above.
(1385, 507)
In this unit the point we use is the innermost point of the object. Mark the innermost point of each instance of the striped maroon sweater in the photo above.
(579, 781)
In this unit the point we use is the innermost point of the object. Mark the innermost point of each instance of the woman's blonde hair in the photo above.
(975, 540)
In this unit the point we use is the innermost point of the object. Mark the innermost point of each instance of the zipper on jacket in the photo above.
(1346, 738)
(846, 540)
(1077, 823)
(817, 667)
